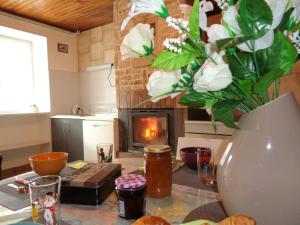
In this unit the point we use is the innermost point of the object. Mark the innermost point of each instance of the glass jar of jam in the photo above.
(131, 194)
(158, 170)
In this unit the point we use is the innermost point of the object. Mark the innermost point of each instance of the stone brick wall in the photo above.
(96, 46)
(132, 74)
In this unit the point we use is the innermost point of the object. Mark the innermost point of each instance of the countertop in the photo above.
(96, 117)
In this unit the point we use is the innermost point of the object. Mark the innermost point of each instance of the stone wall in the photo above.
(96, 46)
(132, 74)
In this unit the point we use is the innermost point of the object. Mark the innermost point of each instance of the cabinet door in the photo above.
(75, 140)
(67, 136)
(59, 131)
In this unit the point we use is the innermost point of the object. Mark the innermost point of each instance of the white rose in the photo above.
(217, 32)
(277, 8)
(212, 76)
(133, 43)
(296, 13)
(161, 83)
(204, 7)
(137, 7)
(230, 17)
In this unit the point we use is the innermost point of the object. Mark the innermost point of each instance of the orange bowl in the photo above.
(48, 163)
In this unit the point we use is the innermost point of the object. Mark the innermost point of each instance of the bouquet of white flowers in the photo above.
(256, 44)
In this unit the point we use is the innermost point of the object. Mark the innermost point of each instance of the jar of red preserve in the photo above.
(131, 194)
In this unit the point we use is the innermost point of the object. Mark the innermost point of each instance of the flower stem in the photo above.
(276, 88)
(265, 95)
(148, 58)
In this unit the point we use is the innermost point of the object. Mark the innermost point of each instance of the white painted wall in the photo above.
(57, 60)
(96, 94)
(64, 92)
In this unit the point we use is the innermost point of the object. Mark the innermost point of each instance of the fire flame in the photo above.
(150, 133)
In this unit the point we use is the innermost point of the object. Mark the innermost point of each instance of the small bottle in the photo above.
(35, 210)
(131, 194)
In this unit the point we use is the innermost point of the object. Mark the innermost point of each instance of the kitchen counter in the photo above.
(96, 117)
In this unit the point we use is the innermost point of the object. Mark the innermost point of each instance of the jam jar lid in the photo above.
(130, 181)
(157, 148)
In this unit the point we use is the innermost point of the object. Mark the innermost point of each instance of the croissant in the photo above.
(150, 220)
(238, 220)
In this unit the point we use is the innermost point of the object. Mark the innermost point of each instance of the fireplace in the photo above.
(142, 127)
(148, 128)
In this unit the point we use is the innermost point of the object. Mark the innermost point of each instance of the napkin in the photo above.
(78, 165)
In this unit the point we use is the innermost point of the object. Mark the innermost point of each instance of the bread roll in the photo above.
(238, 220)
(150, 220)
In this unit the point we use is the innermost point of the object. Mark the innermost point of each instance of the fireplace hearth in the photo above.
(142, 127)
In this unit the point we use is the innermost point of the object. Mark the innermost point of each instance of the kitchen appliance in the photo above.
(94, 133)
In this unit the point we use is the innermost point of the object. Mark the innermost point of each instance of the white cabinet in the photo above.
(96, 132)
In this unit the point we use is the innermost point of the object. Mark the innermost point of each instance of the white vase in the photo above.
(259, 173)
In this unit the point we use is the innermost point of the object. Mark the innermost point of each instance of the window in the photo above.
(24, 75)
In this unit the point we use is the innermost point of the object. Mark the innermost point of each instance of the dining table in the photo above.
(190, 200)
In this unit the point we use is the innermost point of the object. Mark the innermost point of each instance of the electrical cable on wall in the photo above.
(111, 67)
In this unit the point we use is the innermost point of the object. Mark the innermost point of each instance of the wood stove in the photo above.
(147, 128)
(142, 127)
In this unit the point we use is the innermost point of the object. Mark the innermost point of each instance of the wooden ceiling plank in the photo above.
(66, 14)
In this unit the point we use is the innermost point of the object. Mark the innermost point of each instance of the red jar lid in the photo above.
(130, 181)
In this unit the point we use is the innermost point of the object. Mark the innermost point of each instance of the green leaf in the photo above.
(197, 99)
(263, 84)
(198, 48)
(148, 50)
(210, 102)
(231, 42)
(222, 111)
(194, 33)
(163, 13)
(171, 61)
(285, 22)
(255, 18)
(192, 99)
(232, 2)
(186, 78)
(242, 67)
(282, 54)
(246, 86)
(295, 27)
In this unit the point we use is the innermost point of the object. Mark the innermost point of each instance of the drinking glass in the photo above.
(44, 197)
(206, 165)
(104, 152)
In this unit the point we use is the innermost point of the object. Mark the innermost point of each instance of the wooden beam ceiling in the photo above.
(72, 15)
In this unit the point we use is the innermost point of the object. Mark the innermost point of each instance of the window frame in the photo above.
(40, 70)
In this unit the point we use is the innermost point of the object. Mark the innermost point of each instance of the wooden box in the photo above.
(90, 185)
